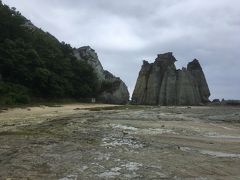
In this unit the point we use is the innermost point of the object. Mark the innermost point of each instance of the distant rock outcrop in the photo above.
(112, 89)
(160, 83)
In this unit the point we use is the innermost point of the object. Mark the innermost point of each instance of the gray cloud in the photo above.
(126, 32)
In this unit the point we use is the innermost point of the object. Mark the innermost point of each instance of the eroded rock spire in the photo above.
(160, 83)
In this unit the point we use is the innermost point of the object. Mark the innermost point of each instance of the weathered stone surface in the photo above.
(142, 82)
(196, 70)
(86, 53)
(112, 89)
(160, 83)
(187, 90)
(168, 94)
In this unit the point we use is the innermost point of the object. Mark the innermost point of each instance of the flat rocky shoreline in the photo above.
(120, 142)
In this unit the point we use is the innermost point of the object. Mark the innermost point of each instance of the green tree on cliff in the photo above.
(33, 63)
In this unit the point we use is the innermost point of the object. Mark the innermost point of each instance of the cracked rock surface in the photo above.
(121, 142)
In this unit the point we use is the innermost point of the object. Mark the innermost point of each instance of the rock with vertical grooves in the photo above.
(168, 94)
(160, 83)
(195, 69)
(112, 89)
(187, 91)
(141, 85)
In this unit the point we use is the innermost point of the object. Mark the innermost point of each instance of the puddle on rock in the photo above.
(70, 177)
(146, 131)
(211, 153)
(217, 135)
(220, 154)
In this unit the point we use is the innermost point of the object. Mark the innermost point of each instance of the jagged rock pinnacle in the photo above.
(160, 83)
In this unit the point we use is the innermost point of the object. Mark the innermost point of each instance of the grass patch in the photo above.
(16, 133)
(125, 107)
(41, 102)
(52, 105)
(92, 141)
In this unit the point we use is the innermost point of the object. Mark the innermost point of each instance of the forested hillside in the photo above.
(34, 64)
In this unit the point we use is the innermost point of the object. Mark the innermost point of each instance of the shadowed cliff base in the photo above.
(160, 83)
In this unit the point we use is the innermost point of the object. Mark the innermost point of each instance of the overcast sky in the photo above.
(125, 32)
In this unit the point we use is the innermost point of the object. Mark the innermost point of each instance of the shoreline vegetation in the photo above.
(35, 65)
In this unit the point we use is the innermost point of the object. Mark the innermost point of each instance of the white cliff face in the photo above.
(89, 55)
(116, 92)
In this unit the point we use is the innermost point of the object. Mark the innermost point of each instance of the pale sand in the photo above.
(29, 115)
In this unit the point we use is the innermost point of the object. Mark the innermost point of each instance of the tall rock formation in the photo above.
(160, 83)
(112, 89)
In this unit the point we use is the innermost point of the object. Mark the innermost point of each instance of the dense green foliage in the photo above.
(33, 63)
(109, 86)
